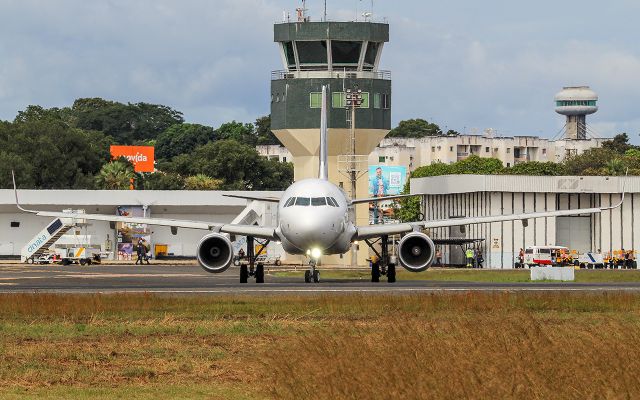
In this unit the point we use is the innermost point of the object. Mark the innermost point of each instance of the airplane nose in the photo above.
(312, 230)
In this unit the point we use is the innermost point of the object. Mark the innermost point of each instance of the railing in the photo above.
(278, 75)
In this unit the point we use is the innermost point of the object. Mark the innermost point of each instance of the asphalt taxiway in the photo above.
(190, 279)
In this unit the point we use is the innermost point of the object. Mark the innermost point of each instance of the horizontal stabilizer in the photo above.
(267, 199)
(385, 198)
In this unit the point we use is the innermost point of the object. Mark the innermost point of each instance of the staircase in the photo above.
(41, 242)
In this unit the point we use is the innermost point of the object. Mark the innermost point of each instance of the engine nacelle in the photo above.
(416, 251)
(215, 253)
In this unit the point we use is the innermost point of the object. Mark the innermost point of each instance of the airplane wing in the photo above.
(262, 232)
(371, 231)
(267, 199)
(374, 199)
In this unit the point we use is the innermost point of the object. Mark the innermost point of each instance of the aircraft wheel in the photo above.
(244, 274)
(307, 276)
(375, 272)
(30, 260)
(260, 273)
(316, 276)
(391, 273)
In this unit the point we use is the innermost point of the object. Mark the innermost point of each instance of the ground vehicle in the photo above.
(591, 260)
(547, 256)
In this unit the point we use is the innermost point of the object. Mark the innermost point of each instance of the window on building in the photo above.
(315, 99)
(338, 100)
(451, 148)
(433, 148)
(544, 151)
(439, 148)
(508, 151)
(15, 224)
(386, 101)
(284, 159)
(370, 56)
(345, 52)
(377, 100)
(508, 165)
(486, 149)
(382, 159)
(312, 52)
(288, 52)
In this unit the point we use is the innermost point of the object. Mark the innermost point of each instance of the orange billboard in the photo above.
(142, 157)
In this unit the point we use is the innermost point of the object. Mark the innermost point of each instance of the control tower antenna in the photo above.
(325, 11)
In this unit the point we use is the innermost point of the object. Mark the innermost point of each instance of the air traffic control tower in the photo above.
(344, 56)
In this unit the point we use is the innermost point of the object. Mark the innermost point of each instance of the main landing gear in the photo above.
(253, 269)
(383, 263)
(312, 274)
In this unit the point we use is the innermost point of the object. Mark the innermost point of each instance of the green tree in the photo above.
(238, 165)
(202, 182)
(536, 168)
(615, 166)
(415, 128)
(243, 133)
(115, 175)
(163, 181)
(591, 162)
(619, 144)
(126, 123)
(264, 133)
(182, 139)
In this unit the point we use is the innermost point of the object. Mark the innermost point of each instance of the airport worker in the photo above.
(521, 258)
(627, 263)
(140, 252)
(469, 256)
(438, 257)
(479, 258)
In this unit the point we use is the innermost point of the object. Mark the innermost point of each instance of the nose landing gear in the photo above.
(312, 274)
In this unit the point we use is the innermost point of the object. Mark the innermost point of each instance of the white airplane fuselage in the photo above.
(318, 218)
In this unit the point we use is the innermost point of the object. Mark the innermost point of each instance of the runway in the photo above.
(187, 279)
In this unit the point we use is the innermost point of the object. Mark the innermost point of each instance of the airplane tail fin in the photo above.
(323, 172)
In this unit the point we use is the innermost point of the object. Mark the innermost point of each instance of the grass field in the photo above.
(473, 345)
(475, 275)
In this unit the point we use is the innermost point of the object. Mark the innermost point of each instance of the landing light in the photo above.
(316, 253)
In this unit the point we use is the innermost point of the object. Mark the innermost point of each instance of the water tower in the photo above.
(576, 102)
(345, 56)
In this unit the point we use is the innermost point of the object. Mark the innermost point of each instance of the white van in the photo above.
(543, 255)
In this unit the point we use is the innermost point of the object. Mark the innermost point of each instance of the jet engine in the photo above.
(215, 253)
(416, 251)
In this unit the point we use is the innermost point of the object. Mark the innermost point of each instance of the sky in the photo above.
(465, 65)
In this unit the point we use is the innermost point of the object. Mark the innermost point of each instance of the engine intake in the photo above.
(215, 253)
(416, 251)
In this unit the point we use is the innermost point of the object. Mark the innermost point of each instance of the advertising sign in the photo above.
(129, 234)
(142, 157)
(385, 180)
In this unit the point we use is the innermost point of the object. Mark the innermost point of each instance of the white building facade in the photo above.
(413, 153)
(483, 195)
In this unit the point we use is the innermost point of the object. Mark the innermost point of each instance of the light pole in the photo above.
(353, 100)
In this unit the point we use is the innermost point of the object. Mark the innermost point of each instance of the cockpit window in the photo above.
(302, 201)
(332, 202)
(290, 202)
(318, 201)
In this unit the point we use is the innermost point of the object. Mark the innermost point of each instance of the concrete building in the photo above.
(479, 195)
(18, 227)
(413, 153)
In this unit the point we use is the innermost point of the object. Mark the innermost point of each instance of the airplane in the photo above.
(315, 218)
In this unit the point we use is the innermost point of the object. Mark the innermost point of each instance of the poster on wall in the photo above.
(128, 234)
(385, 180)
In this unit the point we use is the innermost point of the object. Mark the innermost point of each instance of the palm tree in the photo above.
(115, 175)
(615, 166)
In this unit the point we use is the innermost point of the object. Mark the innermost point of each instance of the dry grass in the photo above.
(475, 345)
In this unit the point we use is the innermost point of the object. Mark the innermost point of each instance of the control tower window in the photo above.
(315, 100)
(370, 56)
(344, 52)
(288, 52)
(312, 52)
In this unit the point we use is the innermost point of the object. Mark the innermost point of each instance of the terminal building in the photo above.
(456, 196)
